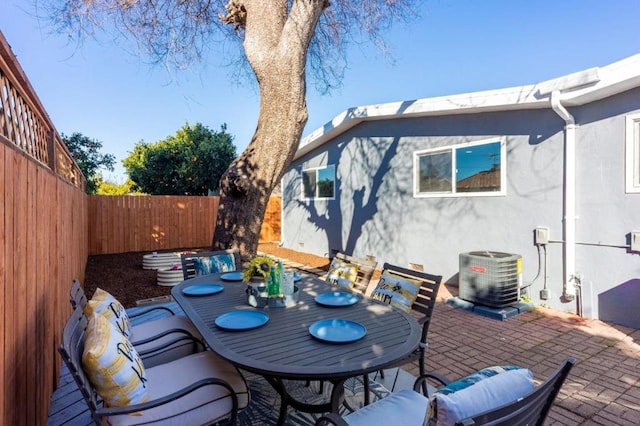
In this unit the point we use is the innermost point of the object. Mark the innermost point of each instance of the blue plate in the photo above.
(337, 298)
(203, 289)
(242, 320)
(232, 276)
(296, 277)
(337, 330)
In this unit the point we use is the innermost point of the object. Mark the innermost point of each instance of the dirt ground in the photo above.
(122, 274)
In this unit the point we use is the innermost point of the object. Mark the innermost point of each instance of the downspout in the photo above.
(569, 252)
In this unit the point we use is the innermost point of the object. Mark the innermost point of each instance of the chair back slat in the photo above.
(73, 337)
(188, 266)
(532, 409)
(77, 297)
(366, 268)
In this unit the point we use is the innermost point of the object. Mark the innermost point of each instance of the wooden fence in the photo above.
(48, 226)
(43, 246)
(149, 223)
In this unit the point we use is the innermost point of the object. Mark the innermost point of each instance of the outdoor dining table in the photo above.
(283, 348)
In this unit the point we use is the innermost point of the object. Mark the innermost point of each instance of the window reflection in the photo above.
(319, 183)
(470, 168)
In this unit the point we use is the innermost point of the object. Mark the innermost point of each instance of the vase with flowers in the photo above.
(258, 269)
(257, 274)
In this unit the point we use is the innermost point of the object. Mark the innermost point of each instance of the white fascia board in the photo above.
(575, 89)
(613, 79)
(468, 103)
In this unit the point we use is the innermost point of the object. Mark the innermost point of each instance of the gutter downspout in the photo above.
(569, 251)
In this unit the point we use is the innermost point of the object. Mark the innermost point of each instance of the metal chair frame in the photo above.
(78, 299)
(71, 349)
(532, 409)
(423, 305)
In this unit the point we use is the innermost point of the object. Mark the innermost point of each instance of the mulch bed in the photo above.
(122, 274)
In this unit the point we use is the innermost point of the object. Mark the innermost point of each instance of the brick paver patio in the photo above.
(603, 388)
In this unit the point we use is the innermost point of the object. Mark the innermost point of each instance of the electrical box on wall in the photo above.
(635, 241)
(541, 235)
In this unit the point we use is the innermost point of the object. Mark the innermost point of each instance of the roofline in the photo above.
(574, 89)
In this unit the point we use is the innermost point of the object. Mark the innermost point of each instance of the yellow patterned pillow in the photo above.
(396, 290)
(104, 303)
(113, 365)
(342, 273)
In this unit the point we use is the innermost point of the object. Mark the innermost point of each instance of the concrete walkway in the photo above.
(603, 388)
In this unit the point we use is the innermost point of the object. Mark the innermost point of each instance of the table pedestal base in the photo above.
(286, 400)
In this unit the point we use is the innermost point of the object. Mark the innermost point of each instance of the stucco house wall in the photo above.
(375, 213)
(606, 213)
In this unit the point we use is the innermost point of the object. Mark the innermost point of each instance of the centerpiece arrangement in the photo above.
(258, 269)
(268, 284)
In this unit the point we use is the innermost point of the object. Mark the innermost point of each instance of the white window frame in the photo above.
(452, 149)
(316, 169)
(632, 153)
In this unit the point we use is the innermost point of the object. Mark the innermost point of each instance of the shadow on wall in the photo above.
(621, 304)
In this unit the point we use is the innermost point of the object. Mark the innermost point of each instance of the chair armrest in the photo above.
(151, 309)
(114, 411)
(418, 384)
(331, 419)
(179, 331)
(170, 345)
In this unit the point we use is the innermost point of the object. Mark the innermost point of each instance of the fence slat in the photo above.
(30, 287)
(5, 174)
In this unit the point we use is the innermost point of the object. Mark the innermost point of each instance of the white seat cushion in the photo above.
(155, 327)
(202, 406)
(405, 407)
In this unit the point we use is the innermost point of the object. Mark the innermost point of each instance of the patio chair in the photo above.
(358, 282)
(421, 301)
(194, 264)
(408, 407)
(341, 273)
(201, 388)
(159, 340)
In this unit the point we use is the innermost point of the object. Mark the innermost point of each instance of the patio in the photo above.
(602, 389)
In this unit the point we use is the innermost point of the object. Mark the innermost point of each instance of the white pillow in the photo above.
(113, 365)
(487, 389)
(104, 303)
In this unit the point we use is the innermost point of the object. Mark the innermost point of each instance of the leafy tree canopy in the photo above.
(111, 188)
(86, 152)
(189, 163)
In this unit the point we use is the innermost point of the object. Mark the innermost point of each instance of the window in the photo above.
(633, 153)
(319, 183)
(473, 169)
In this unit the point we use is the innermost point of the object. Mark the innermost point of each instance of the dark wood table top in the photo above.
(283, 348)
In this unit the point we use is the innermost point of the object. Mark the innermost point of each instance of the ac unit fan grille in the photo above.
(490, 278)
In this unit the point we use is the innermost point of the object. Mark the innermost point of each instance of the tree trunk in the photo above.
(276, 43)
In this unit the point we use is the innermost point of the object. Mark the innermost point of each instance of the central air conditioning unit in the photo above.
(490, 278)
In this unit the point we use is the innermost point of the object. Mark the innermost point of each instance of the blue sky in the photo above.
(454, 46)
